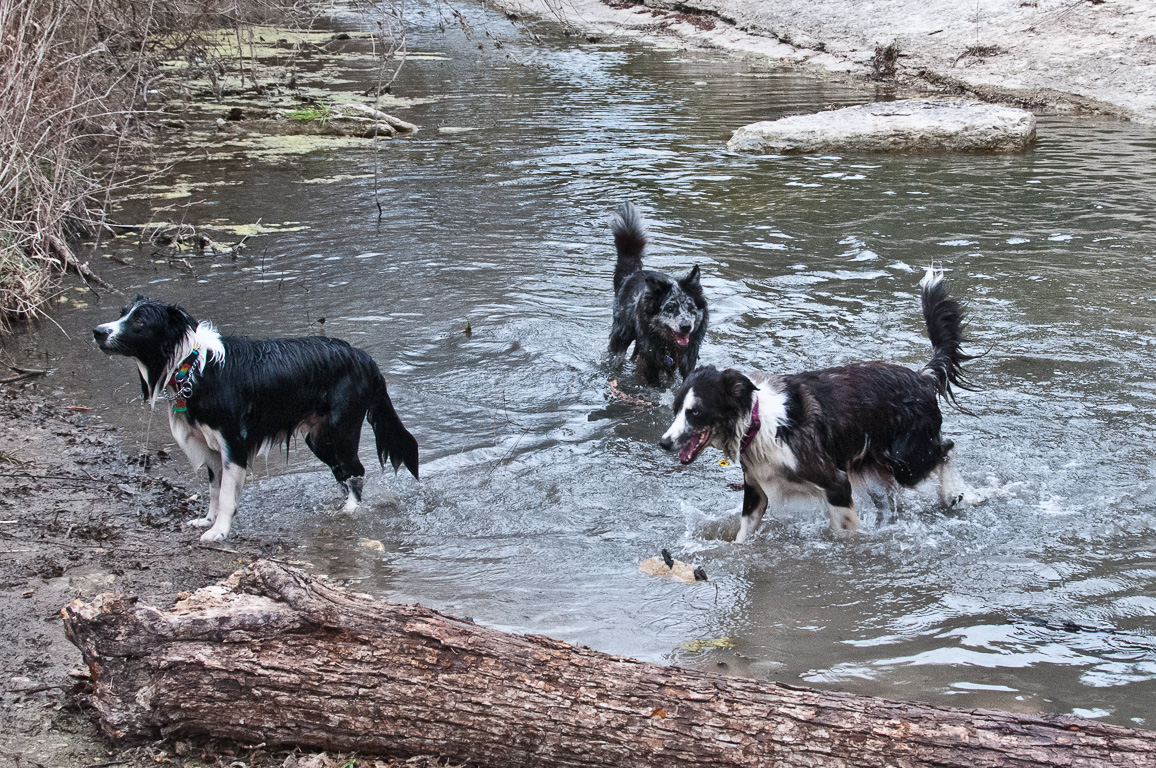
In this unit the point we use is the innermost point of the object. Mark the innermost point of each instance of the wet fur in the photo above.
(820, 430)
(649, 306)
(251, 394)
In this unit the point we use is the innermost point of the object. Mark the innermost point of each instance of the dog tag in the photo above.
(180, 405)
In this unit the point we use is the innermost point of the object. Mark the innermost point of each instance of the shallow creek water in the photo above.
(539, 498)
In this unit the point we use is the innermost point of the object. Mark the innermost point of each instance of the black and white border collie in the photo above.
(814, 433)
(665, 317)
(231, 399)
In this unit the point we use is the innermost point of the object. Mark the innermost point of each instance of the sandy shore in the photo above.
(1082, 56)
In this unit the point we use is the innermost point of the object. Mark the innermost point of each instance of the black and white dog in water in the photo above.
(665, 317)
(813, 433)
(234, 398)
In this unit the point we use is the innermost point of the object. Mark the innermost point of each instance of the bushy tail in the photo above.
(394, 442)
(944, 317)
(629, 239)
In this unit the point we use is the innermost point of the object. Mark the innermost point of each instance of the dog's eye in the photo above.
(671, 308)
(694, 412)
(138, 323)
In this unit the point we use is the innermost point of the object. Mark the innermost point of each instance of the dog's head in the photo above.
(707, 410)
(151, 333)
(676, 308)
(145, 328)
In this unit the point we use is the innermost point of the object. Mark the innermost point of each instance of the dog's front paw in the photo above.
(199, 522)
(843, 521)
(214, 534)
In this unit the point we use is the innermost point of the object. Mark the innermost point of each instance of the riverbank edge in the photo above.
(844, 46)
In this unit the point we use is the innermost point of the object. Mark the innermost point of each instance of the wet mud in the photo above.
(79, 517)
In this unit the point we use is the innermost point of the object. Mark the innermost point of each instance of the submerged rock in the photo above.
(377, 129)
(895, 126)
(335, 125)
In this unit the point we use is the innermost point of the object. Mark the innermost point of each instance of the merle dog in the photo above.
(233, 398)
(813, 433)
(665, 317)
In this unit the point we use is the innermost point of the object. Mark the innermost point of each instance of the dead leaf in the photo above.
(320, 760)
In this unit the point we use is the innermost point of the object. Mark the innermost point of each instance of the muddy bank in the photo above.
(1082, 57)
(81, 517)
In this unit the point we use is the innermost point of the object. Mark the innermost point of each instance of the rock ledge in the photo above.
(913, 125)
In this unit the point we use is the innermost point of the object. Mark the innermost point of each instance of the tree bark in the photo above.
(274, 656)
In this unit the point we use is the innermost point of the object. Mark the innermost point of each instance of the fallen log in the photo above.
(275, 656)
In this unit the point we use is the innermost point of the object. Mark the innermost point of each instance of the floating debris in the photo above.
(667, 567)
(618, 394)
(696, 646)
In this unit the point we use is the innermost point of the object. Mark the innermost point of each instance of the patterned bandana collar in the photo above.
(182, 383)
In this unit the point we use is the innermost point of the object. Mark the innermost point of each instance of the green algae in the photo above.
(697, 646)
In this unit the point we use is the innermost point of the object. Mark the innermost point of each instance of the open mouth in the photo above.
(682, 339)
(694, 445)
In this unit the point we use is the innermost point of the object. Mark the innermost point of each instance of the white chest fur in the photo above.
(767, 453)
(769, 461)
(199, 443)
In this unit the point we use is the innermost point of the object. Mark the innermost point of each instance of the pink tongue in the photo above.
(682, 339)
(690, 450)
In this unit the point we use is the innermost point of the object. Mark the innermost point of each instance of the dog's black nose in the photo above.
(686, 328)
(100, 334)
(666, 444)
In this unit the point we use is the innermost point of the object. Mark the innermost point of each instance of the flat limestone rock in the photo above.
(912, 125)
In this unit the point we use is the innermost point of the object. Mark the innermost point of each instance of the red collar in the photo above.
(753, 430)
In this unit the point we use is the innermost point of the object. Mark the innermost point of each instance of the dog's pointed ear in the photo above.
(691, 279)
(737, 386)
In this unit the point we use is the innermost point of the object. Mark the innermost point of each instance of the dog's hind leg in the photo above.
(333, 445)
(231, 479)
(841, 505)
(951, 486)
(356, 486)
(883, 490)
(754, 505)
